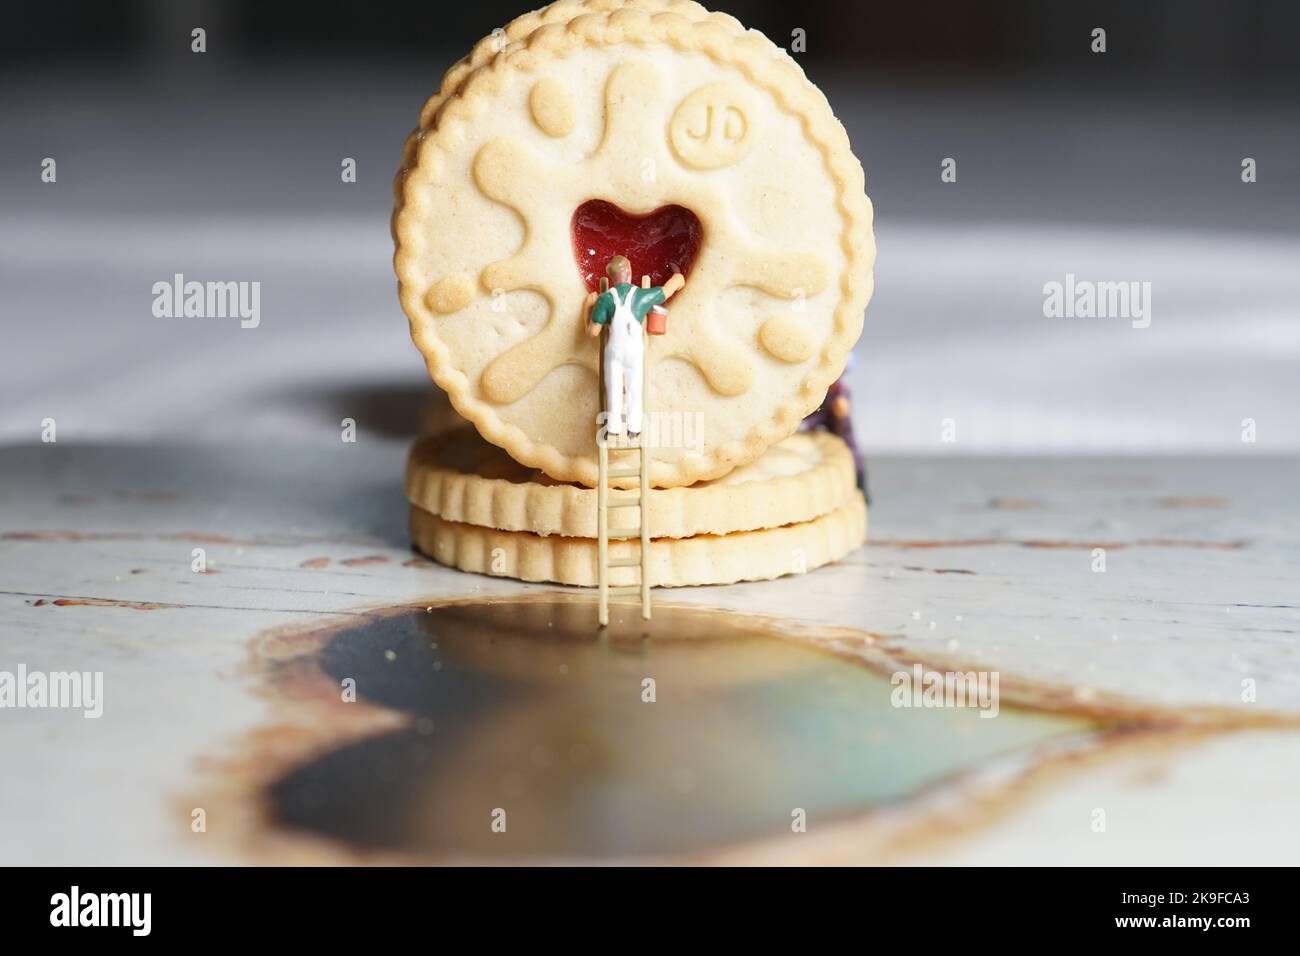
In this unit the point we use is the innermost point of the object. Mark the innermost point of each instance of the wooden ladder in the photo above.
(639, 500)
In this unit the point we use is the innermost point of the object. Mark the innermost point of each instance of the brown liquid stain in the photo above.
(365, 561)
(309, 722)
(1014, 504)
(1185, 543)
(315, 563)
(1191, 501)
(103, 602)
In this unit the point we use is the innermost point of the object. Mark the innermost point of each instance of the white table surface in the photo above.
(1199, 593)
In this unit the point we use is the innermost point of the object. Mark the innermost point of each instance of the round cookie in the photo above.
(674, 562)
(647, 110)
(461, 478)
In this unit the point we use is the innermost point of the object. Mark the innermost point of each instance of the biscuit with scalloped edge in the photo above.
(644, 107)
(674, 562)
(459, 477)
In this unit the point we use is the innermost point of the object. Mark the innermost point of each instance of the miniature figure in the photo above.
(623, 307)
(835, 415)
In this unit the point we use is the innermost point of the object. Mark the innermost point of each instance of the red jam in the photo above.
(658, 243)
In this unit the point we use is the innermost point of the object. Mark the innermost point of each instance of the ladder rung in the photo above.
(624, 535)
(623, 563)
(626, 503)
(630, 589)
(624, 473)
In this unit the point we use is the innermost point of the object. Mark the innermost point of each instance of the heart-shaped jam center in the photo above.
(658, 244)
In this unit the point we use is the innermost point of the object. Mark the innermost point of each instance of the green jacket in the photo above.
(642, 301)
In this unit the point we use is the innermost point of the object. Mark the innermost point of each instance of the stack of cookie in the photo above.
(661, 132)
(475, 508)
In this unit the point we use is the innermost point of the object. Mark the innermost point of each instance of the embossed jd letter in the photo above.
(710, 129)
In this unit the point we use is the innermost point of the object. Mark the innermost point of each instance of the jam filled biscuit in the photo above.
(674, 562)
(656, 131)
(461, 478)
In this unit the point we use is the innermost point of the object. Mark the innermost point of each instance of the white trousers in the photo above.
(624, 372)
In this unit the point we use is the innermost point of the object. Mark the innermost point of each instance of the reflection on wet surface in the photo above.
(524, 707)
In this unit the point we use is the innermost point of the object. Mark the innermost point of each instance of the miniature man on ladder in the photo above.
(624, 308)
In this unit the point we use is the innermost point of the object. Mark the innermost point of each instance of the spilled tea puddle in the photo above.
(514, 731)
(522, 708)
(464, 710)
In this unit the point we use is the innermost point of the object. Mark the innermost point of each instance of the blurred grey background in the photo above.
(225, 165)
